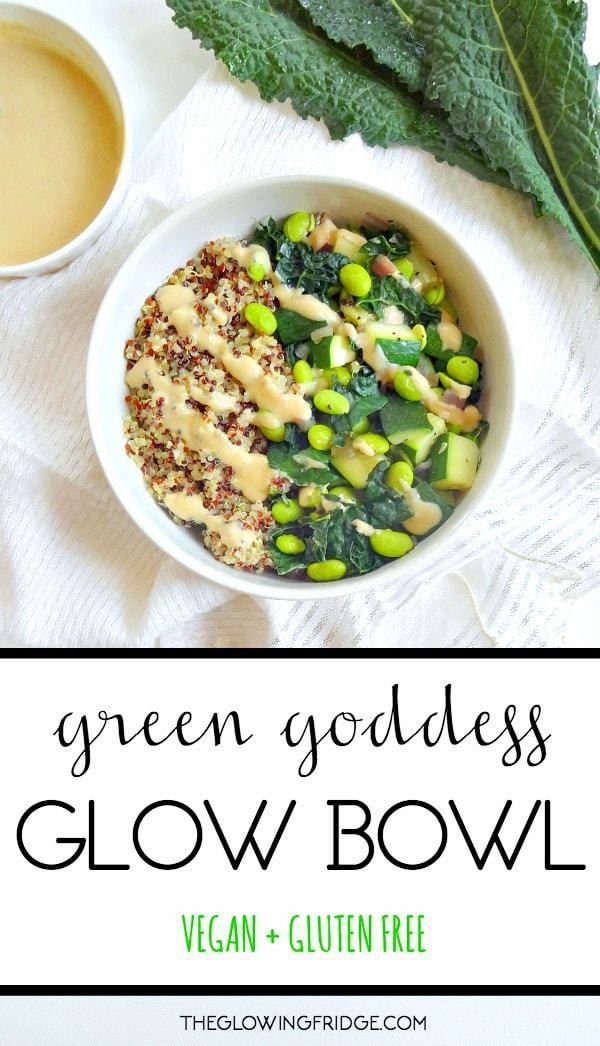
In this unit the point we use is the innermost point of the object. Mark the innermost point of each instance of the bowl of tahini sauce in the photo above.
(64, 142)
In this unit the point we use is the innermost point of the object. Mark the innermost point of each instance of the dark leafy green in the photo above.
(365, 399)
(385, 508)
(284, 564)
(508, 96)
(387, 290)
(386, 32)
(282, 458)
(513, 78)
(393, 242)
(314, 272)
(293, 328)
(270, 236)
(400, 350)
(274, 44)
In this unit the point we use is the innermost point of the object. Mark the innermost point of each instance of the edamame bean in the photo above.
(361, 427)
(289, 544)
(261, 318)
(463, 369)
(405, 267)
(391, 543)
(286, 511)
(310, 496)
(355, 279)
(320, 437)
(419, 332)
(340, 374)
(275, 435)
(302, 372)
(405, 386)
(326, 570)
(435, 294)
(397, 474)
(345, 493)
(256, 271)
(331, 402)
(378, 444)
(298, 225)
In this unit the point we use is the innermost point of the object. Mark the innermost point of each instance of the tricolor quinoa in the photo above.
(222, 288)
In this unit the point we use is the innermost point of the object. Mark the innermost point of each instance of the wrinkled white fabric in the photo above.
(75, 571)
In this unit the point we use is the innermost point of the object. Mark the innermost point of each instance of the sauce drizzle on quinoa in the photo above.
(251, 472)
(177, 303)
(191, 508)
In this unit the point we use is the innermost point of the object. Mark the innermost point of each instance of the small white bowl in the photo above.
(234, 211)
(69, 42)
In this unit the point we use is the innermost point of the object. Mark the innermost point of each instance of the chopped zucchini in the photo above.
(401, 352)
(403, 420)
(354, 314)
(354, 466)
(349, 244)
(454, 461)
(334, 351)
(417, 448)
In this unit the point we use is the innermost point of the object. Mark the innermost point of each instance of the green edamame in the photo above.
(256, 271)
(261, 318)
(326, 570)
(298, 225)
(355, 279)
(397, 474)
(286, 511)
(405, 386)
(405, 267)
(320, 437)
(391, 543)
(330, 402)
(289, 544)
(463, 369)
(302, 372)
(379, 444)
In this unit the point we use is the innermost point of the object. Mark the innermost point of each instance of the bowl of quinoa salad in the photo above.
(291, 382)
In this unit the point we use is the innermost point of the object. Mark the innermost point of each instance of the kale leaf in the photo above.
(387, 290)
(393, 243)
(283, 458)
(293, 328)
(385, 508)
(387, 33)
(314, 272)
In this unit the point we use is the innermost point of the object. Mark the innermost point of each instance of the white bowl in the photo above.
(235, 211)
(69, 42)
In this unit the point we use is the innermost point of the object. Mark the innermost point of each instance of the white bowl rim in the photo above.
(240, 581)
(70, 250)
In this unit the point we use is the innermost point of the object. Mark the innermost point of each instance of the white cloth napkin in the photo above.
(75, 571)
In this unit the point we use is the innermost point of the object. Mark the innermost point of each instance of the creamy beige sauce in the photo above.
(305, 304)
(468, 417)
(251, 472)
(364, 528)
(60, 147)
(177, 303)
(247, 255)
(451, 336)
(190, 507)
(375, 357)
(425, 515)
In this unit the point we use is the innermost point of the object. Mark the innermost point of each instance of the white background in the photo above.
(155, 1021)
(75, 926)
(158, 64)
